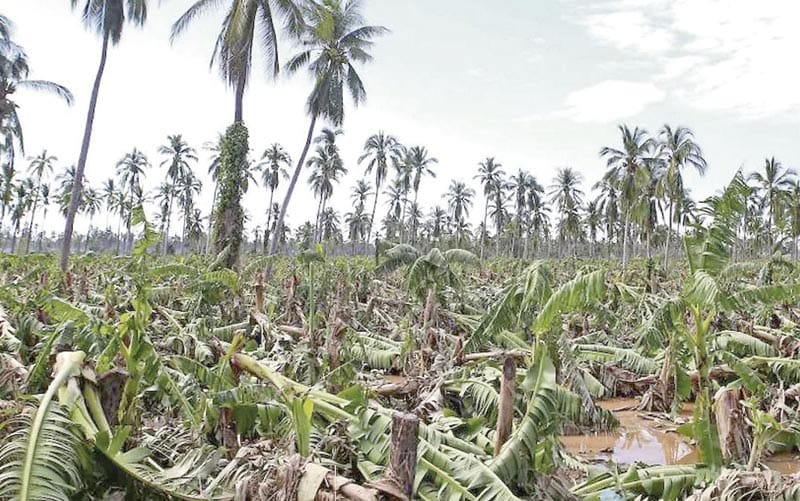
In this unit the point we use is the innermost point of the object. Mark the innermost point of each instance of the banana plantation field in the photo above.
(411, 376)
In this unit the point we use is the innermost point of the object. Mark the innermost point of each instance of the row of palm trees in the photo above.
(640, 201)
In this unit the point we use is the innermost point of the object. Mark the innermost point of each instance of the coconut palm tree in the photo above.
(194, 229)
(130, 170)
(593, 221)
(40, 166)
(438, 222)
(248, 24)
(188, 188)
(459, 200)
(14, 71)
(627, 171)
(490, 175)
(272, 170)
(608, 204)
(333, 40)
(21, 202)
(380, 149)
(419, 164)
(774, 185)
(361, 192)
(395, 203)
(106, 18)
(328, 168)
(329, 226)
(91, 206)
(7, 174)
(44, 191)
(567, 196)
(215, 148)
(178, 155)
(678, 150)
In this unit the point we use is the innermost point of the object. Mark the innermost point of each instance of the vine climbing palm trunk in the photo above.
(75, 196)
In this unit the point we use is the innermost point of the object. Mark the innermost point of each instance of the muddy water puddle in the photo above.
(641, 437)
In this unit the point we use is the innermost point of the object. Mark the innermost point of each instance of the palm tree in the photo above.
(357, 224)
(106, 18)
(329, 226)
(213, 170)
(163, 197)
(380, 149)
(678, 150)
(178, 155)
(519, 184)
(609, 206)
(91, 205)
(14, 71)
(333, 40)
(566, 194)
(490, 175)
(459, 200)
(194, 229)
(395, 202)
(22, 201)
(189, 187)
(272, 170)
(361, 191)
(7, 174)
(247, 23)
(594, 221)
(39, 167)
(627, 167)
(328, 167)
(419, 164)
(44, 191)
(130, 169)
(775, 185)
(438, 220)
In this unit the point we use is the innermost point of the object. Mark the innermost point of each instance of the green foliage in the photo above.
(232, 181)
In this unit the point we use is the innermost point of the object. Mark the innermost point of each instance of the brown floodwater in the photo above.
(643, 438)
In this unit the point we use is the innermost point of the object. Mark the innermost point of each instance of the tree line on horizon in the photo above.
(640, 205)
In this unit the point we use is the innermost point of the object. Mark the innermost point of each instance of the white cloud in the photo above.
(718, 55)
(611, 100)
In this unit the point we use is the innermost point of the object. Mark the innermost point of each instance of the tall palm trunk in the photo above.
(374, 208)
(74, 200)
(88, 234)
(625, 236)
(166, 226)
(414, 226)
(269, 221)
(30, 223)
(279, 223)
(211, 216)
(403, 218)
(483, 231)
(669, 235)
(41, 232)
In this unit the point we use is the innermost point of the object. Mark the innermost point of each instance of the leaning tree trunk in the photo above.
(75, 196)
(229, 217)
(483, 231)
(282, 214)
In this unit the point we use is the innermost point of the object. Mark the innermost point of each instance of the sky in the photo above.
(537, 85)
